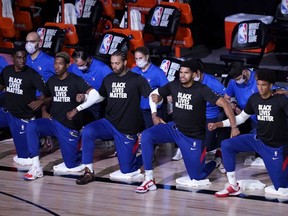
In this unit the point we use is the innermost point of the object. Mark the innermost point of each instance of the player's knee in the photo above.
(225, 144)
(31, 126)
(146, 134)
(87, 131)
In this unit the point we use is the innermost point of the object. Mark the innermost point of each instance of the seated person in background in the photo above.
(93, 72)
(154, 76)
(44, 65)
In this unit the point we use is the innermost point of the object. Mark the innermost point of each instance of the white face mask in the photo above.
(197, 78)
(141, 63)
(30, 47)
(240, 81)
(83, 68)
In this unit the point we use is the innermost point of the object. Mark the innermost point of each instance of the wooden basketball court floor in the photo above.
(57, 194)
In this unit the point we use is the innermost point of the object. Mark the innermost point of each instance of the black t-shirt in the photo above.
(63, 93)
(20, 90)
(189, 106)
(123, 100)
(271, 116)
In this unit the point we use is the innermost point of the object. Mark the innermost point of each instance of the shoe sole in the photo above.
(145, 191)
(82, 183)
(226, 195)
(31, 179)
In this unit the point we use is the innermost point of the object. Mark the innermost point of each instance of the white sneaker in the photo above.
(219, 165)
(258, 162)
(147, 185)
(229, 190)
(185, 181)
(62, 168)
(34, 173)
(22, 161)
(178, 155)
(128, 176)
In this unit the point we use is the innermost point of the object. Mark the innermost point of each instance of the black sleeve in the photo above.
(46, 91)
(283, 101)
(102, 90)
(144, 86)
(82, 85)
(209, 95)
(38, 81)
(2, 79)
(249, 107)
(165, 90)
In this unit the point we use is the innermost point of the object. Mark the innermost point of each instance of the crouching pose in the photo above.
(63, 120)
(123, 90)
(269, 140)
(187, 128)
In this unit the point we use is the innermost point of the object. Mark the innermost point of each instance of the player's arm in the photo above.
(45, 107)
(230, 114)
(240, 119)
(281, 91)
(154, 99)
(92, 96)
(2, 87)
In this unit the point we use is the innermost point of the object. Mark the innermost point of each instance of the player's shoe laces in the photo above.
(229, 190)
(146, 185)
(34, 173)
(87, 177)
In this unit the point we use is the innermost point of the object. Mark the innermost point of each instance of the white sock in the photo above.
(36, 161)
(90, 167)
(232, 178)
(148, 174)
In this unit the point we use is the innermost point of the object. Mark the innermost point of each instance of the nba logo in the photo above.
(243, 33)
(284, 7)
(79, 7)
(105, 45)
(41, 32)
(165, 65)
(156, 18)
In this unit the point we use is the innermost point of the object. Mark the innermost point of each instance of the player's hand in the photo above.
(70, 115)
(157, 120)
(280, 91)
(234, 132)
(212, 126)
(80, 97)
(34, 105)
(156, 98)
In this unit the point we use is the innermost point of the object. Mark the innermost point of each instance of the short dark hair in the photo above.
(80, 53)
(63, 55)
(18, 49)
(235, 69)
(267, 75)
(120, 53)
(193, 65)
(144, 50)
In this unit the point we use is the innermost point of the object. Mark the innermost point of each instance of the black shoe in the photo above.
(86, 178)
